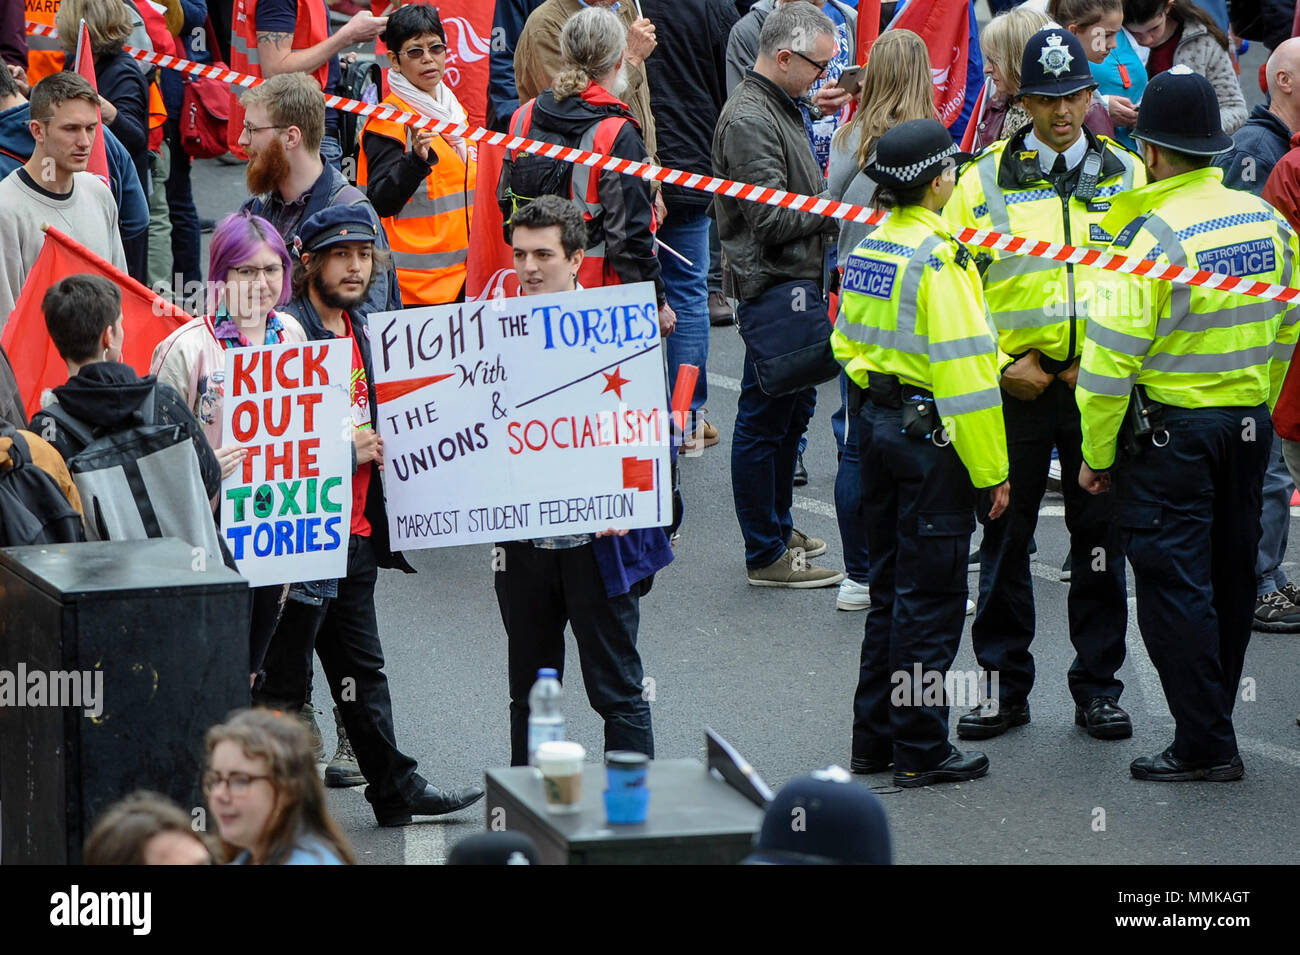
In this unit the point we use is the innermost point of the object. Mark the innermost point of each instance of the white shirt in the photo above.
(1047, 155)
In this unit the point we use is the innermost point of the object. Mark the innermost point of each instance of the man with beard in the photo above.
(284, 120)
(337, 256)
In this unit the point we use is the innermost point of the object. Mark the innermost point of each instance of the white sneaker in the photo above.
(970, 607)
(852, 596)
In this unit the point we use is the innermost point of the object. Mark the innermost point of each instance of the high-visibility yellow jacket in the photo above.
(1190, 347)
(911, 305)
(1037, 303)
(429, 238)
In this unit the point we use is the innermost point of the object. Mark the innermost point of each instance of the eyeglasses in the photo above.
(821, 67)
(250, 128)
(247, 273)
(237, 783)
(417, 52)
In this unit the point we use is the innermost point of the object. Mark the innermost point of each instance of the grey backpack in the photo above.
(140, 482)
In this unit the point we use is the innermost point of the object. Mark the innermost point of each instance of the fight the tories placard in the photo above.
(519, 418)
(286, 511)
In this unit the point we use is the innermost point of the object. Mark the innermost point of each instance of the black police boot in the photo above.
(992, 718)
(957, 768)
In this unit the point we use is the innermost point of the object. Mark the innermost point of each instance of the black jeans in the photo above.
(541, 590)
(1190, 517)
(1097, 602)
(919, 509)
(186, 238)
(345, 634)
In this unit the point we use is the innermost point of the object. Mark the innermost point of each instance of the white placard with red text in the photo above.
(519, 418)
(286, 511)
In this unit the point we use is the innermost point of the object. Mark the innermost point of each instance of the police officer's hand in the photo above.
(1071, 375)
(1122, 111)
(1000, 497)
(423, 143)
(1094, 482)
(667, 319)
(1025, 378)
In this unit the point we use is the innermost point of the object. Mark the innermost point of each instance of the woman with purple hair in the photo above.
(248, 271)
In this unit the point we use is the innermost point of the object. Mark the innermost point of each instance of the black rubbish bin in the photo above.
(115, 658)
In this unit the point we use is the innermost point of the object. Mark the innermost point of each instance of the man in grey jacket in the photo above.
(760, 139)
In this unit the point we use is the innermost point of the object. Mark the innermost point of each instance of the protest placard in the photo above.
(518, 418)
(287, 510)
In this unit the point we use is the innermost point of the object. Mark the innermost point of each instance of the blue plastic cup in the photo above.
(627, 796)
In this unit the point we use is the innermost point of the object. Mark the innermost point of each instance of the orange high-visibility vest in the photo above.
(313, 26)
(44, 55)
(429, 238)
(584, 187)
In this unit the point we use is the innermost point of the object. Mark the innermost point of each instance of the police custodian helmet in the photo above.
(1180, 111)
(1055, 64)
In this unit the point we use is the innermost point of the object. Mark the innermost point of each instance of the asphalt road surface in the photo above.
(774, 672)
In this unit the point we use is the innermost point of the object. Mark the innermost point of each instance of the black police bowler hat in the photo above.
(1055, 64)
(913, 153)
(1180, 111)
(823, 819)
(334, 224)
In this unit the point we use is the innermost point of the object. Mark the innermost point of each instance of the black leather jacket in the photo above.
(761, 140)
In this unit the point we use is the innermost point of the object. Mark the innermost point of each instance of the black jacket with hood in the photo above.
(629, 246)
(106, 395)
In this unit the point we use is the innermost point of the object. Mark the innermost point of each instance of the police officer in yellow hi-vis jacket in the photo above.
(1181, 379)
(1052, 180)
(915, 341)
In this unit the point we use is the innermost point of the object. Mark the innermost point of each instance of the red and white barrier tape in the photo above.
(1000, 241)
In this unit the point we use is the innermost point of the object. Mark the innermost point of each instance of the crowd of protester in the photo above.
(332, 231)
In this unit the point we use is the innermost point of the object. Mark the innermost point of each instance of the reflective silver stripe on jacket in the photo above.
(1229, 361)
(1105, 384)
(993, 197)
(420, 205)
(425, 261)
(1120, 342)
(971, 401)
(238, 43)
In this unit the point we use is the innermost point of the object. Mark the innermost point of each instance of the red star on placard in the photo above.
(614, 382)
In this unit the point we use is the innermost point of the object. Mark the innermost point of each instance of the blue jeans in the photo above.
(763, 449)
(1275, 522)
(848, 490)
(688, 294)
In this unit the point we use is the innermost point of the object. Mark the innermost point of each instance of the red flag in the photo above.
(491, 267)
(146, 318)
(86, 67)
(868, 27)
(639, 474)
(944, 25)
(968, 137)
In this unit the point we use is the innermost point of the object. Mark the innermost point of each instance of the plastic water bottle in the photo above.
(545, 720)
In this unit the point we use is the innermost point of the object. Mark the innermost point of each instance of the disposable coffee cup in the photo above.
(560, 762)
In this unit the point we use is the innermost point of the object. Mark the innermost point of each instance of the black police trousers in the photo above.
(1097, 602)
(919, 509)
(1190, 518)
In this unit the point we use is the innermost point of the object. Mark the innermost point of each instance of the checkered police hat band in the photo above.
(910, 172)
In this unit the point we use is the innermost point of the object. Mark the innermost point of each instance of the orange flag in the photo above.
(146, 318)
(86, 67)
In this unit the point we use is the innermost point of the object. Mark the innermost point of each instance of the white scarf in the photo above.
(443, 105)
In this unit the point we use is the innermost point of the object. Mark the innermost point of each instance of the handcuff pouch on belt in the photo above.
(1144, 420)
(920, 414)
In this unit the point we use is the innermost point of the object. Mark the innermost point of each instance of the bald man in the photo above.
(1266, 137)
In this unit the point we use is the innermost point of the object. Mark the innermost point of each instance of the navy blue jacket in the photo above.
(17, 146)
(1256, 148)
(376, 510)
(507, 25)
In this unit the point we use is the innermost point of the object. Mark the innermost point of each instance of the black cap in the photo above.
(1055, 64)
(913, 153)
(495, 848)
(334, 224)
(823, 818)
(1180, 111)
